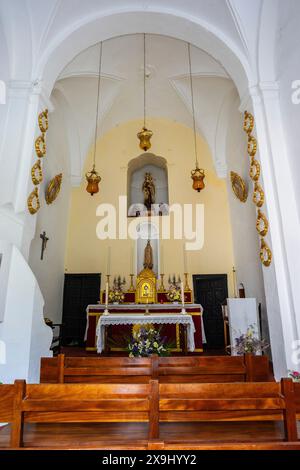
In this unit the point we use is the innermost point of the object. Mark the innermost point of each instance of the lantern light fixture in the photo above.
(93, 178)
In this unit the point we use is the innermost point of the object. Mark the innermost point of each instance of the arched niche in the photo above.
(137, 168)
(147, 231)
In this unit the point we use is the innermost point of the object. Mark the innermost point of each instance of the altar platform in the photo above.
(119, 333)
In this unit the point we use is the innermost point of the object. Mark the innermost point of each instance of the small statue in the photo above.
(148, 256)
(149, 191)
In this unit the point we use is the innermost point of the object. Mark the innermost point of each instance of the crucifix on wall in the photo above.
(44, 243)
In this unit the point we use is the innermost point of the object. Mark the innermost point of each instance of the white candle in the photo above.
(131, 260)
(184, 259)
(182, 294)
(162, 261)
(108, 260)
(106, 294)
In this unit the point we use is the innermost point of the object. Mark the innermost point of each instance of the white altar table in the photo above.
(142, 319)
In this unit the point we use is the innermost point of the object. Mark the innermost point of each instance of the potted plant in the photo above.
(146, 341)
(248, 343)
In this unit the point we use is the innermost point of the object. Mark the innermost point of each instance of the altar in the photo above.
(169, 328)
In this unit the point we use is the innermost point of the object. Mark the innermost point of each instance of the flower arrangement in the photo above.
(147, 341)
(295, 375)
(116, 293)
(248, 343)
(174, 291)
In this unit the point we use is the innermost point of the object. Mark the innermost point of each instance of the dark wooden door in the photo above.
(211, 291)
(80, 290)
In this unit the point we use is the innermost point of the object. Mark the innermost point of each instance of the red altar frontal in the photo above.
(119, 333)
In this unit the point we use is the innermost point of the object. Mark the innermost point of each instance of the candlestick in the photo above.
(131, 259)
(183, 311)
(131, 288)
(106, 312)
(234, 282)
(108, 260)
(186, 287)
(161, 287)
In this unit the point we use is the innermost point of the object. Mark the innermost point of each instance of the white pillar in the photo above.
(25, 101)
(284, 234)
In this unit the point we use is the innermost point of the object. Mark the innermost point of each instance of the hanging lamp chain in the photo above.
(193, 105)
(144, 80)
(98, 100)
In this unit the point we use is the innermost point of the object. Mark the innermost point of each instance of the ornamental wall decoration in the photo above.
(239, 186)
(258, 198)
(53, 189)
(36, 173)
(33, 202)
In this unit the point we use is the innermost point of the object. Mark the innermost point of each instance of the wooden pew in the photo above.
(230, 402)
(63, 369)
(77, 403)
(153, 403)
(213, 369)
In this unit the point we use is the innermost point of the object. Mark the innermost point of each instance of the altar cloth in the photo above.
(145, 319)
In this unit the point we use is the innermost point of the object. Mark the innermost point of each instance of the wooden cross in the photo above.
(44, 243)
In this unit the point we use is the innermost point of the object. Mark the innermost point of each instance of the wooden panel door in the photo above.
(211, 291)
(80, 290)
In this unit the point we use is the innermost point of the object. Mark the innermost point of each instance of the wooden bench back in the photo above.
(234, 402)
(63, 369)
(152, 403)
(78, 403)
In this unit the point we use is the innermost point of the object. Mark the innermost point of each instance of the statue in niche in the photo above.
(149, 191)
(148, 256)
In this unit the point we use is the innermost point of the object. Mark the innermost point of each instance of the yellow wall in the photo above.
(85, 253)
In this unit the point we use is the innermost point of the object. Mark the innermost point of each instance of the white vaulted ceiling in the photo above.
(168, 89)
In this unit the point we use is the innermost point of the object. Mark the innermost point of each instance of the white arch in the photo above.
(93, 29)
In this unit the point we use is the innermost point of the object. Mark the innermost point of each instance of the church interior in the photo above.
(149, 225)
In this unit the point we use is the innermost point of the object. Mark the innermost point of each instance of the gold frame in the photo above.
(43, 116)
(252, 146)
(40, 151)
(239, 186)
(33, 197)
(265, 253)
(146, 278)
(262, 218)
(254, 170)
(53, 189)
(258, 195)
(248, 118)
(37, 168)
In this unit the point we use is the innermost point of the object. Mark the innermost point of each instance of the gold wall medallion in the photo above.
(262, 224)
(53, 189)
(43, 121)
(252, 146)
(37, 173)
(239, 186)
(254, 170)
(248, 122)
(33, 202)
(258, 195)
(40, 146)
(265, 253)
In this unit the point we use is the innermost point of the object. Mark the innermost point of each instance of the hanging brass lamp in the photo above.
(145, 134)
(198, 174)
(93, 178)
